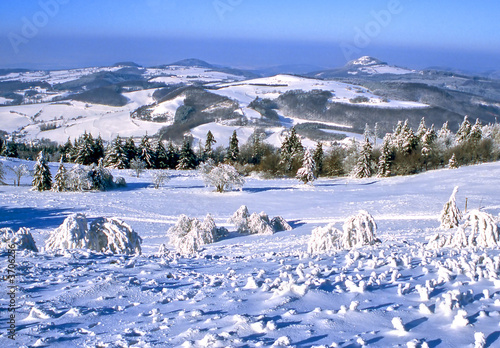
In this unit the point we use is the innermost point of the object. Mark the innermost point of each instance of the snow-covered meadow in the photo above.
(258, 290)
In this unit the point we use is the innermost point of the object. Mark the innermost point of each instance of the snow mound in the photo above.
(257, 223)
(113, 235)
(72, 234)
(105, 235)
(359, 230)
(450, 215)
(22, 239)
(188, 235)
(324, 239)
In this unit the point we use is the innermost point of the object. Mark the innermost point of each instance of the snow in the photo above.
(258, 290)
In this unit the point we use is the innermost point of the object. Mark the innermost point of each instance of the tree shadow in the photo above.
(265, 189)
(434, 343)
(414, 323)
(32, 217)
(492, 338)
(310, 340)
(133, 186)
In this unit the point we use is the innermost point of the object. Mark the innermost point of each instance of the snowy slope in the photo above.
(251, 291)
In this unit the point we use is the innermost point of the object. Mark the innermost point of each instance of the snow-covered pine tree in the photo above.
(115, 155)
(130, 149)
(161, 156)
(172, 156)
(476, 133)
(233, 152)
(453, 163)
(427, 141)
(208, 151)
(187, 158)
(98, 150)
(291, 150)
(146, 153)
(42, 179)
(67, 151)
(409, 140)
(85, 149)
(463, 132)
(422, 129)
(318, 159)
(450, 215)
(60, 178)
(306, 173)
(363, 168)
(386, 157)
(445, 138)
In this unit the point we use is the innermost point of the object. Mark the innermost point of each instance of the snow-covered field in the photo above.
(251, 291)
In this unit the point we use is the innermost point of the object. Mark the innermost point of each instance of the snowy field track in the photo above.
(258, 291)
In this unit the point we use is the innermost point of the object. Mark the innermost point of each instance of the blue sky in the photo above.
(250, 33)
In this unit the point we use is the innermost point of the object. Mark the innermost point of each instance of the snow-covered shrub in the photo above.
(324, 239)
(257, 223)
(79, 178)
(22, 239)
(120, 182)
(188, 235)
(72, 234)
(224, 177)
(113, 235)
(240, 219)
(206, 167)
(104, 235)
(2, 174)
(478, 229)
(450, 215)
(159, 178)
(359, 230)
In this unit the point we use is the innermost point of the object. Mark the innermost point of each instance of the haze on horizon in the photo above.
(54, 34)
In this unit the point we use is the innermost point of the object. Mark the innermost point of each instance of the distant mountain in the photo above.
(298, 69)
(127, 64)
(194, 63)
(364, 66)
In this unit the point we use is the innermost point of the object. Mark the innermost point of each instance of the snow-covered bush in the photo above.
(450, 215)
(206, 167)
(119, 181)
(257, 223)
(72, 234)
(188, 235)
(478, 229)
(104, 235)
(159, 178)
(113, 235)
(2, 174)
(359, 230)
(22, 239)
(324, 239)
(80, 178)
(224, 177)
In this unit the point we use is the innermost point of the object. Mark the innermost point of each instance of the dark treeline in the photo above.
(402, 152)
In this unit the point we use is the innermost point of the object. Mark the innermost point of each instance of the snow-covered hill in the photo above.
(254, 291)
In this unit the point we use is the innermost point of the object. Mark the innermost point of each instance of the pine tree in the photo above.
(445, 137)
(115, 155)
(422, 129)
(42, 179)
(409, 140)
(11, 150)
(67, 151)
(450, 215)
(318, 159)
(187, 158)
(363, 168)
(463, 132)
(98, 150)
(453, 163)
(306, 173)
(386, 157)
(208, 151)
(161, 156)
(146, 153)
(476, 133)
(130, 149)
(85, 150)
(60, 179)
(428, 140)
(233, 152)
(172, 156)
(291, 150)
